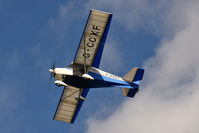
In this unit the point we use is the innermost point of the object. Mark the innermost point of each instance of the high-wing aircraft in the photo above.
(84, 73)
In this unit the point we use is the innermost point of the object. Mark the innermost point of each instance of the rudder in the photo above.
(136, 74)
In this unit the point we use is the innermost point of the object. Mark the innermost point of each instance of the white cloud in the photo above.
(169, 99)
(150, 16)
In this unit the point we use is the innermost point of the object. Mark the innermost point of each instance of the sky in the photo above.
(160, 36)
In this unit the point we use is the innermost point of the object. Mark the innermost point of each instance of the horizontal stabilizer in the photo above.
(129, 92)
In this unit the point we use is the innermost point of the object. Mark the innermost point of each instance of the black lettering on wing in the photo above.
(86, 55)
(95, 27)
(92, 39)
(94, 33)
(90, 44)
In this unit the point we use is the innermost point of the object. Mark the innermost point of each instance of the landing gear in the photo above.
(60, 83)
(80, 98)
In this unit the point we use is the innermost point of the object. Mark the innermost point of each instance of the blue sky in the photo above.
(35, 34)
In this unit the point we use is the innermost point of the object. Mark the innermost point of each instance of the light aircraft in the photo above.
(84, 73)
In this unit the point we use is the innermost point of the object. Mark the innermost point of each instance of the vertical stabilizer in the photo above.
(135, 74)
(133, 77)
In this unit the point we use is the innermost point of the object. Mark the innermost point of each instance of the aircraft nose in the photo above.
(51, 70)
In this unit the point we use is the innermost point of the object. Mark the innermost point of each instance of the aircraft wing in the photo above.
(93, 39)
(68, 106)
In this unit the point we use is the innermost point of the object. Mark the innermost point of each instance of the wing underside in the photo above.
(68, 106)
(93, 39)
(88, 54)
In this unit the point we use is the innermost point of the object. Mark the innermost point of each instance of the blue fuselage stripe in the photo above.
(107, 79)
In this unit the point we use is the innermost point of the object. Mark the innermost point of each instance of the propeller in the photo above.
(52, 71)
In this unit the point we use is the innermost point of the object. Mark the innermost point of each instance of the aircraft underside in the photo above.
(81, 82)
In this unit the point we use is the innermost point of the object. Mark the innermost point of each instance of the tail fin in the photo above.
(136, 74)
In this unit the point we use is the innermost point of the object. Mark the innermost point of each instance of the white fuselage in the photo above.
(97, 77)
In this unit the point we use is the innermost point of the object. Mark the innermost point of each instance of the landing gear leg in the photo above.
(79, 96)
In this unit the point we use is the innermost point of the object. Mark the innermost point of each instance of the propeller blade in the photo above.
(51, 75)
(52, 71)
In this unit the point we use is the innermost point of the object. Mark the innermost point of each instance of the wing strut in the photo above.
(79, 95)
(69, 104)
(72, 94)
(85, 71)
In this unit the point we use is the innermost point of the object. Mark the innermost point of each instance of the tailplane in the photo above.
(133, 77)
